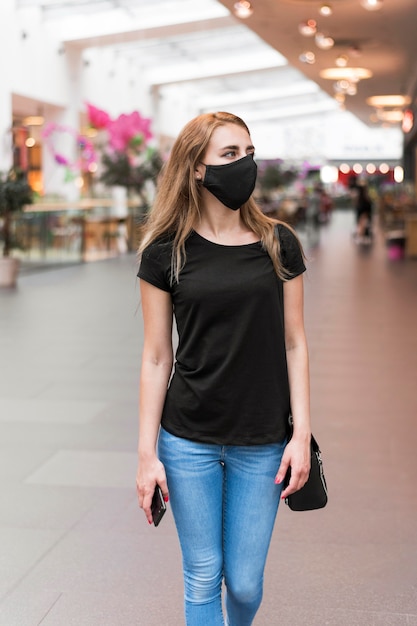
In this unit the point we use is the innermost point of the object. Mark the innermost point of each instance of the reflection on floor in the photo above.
(76, 549)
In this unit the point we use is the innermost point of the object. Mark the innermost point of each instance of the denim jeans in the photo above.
(224, 501)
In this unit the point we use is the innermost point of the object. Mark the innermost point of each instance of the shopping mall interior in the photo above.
(94, 94)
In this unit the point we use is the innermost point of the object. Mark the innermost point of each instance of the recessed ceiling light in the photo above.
(388, 101)
(341, 86)
(325, 10)
(324, 42)
(308, 28)
(352, 90)
(307, 57)
(243, 9)
(372, 5)
(342, 60)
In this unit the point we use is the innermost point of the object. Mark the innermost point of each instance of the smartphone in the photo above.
(158, 506)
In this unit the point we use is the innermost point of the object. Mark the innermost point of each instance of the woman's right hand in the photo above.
(151, 472)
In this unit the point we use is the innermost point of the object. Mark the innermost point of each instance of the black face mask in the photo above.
(232, 183)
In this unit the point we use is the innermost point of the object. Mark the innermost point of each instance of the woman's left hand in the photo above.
(297, 456)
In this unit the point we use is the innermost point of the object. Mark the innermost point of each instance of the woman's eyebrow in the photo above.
(250, 147)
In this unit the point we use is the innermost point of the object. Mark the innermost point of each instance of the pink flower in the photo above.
(127, 127)
(96, 117)
(60, 159)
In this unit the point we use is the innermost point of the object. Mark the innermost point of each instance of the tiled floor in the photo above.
(75, 549)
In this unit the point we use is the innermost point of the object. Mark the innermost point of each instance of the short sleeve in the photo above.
(155, 266)
(291, 254)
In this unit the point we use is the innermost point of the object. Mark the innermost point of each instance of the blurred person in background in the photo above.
(363, 206)
(326, 206)
(313, 212)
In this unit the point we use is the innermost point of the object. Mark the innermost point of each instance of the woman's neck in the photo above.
(224, 226)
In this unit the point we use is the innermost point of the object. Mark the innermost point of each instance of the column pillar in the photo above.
(6, 117)
(56, 177)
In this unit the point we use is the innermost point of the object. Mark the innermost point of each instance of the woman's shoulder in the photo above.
(285, 233)
(159, 246)
(291, 250)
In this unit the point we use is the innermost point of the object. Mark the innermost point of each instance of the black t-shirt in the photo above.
(230, 381)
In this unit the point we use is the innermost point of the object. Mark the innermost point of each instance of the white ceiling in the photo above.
(253, 64)
(222, 63)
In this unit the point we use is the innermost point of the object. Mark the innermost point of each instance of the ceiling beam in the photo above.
(247, 96)
(231, 65)
(136, 35)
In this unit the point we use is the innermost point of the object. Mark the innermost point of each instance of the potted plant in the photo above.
(15, 192)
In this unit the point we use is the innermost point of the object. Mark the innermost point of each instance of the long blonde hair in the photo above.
(177, 206)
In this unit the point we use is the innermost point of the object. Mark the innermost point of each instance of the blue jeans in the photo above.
(224, 501)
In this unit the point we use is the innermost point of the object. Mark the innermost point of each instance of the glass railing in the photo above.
(65, 233)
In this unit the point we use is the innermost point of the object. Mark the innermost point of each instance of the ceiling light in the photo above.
(33, 120)
(390, 116)
(353, 74)
(341, 86)
(388, 101)
(329, 174)
(345, 87)
(243, 9)
(325, 10)
(408, 121)
(323, 42)
(308, 28)
(342, 60)
(372, 5)
(307, 57)
(352, 90)
(398, 174)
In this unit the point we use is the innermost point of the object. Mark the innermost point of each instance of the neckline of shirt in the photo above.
(225, 245)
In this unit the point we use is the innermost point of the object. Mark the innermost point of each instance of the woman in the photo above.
(210, 257)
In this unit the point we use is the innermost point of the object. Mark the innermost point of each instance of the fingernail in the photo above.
(149, 521)
(278, 481)
(166, 498)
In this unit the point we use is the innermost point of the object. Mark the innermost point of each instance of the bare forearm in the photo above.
(298, 374)
(153, 387)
